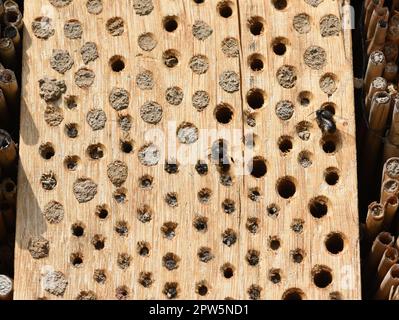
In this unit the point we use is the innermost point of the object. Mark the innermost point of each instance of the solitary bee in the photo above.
(325, 120)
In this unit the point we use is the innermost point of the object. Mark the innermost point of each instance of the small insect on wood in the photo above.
(325, 120)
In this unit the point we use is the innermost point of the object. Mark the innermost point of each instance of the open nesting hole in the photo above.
(252, 224)
(286, 187)
(72, 130)
(95, 151)
(170, 23)
(280, 4)
(200, 223)
(228, 206)
(305, 98)
(279, 46)
(256, 26)
(335, 242)
(117, 63)
(12, 14)
(322, 276)
(76, 259)
(199, 1)
(297, 255)
(254, 292)
(285, 145)
(204, 195)
(228, 270)
(9, 187)
(253, 257)
(146, 181)
(254, 194)
(46, 150)
(385, 238)
(293, 294)
(71, 102)
(71, 162)
(205, 254)
(78, 229)
(329, 106)
(171, 58)
(303, 130)
(171, 290)
(274, 275)
(202, 288)
(126, 146)
(256, 98)
(143, 248)
(257, 167)
(100, 276)
(225, 9)
(201, 167)
(171, 166)
(144, 214)
(305, 158)
(168, 230)
(256, 62)
(331, 176)
(274, 243)
(120, 195)
(224, 113)
(98, 242)
(170, 261)
(273, 210)
(102, 211)
(297, 225)
(318, 207)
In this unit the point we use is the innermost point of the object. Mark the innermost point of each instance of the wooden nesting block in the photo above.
(170, 149)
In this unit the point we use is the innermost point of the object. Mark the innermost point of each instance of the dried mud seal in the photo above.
(89, 52)
(199, 64)
(84, 189)
(229, 81)
(330, 25)
(125, 122)
(174, 95)
(284, 110)
(201, 30)
(53, 116)
(42, 28)
(38, 247)
(96, 118)
(286, 76)
(51, 89)
(230, 47)
(119, 99)
(117, 172)
(55, 283)
(315, 57)
(314, 3)
(84, 78)
(61, 61)
(147, 41)
(60, 3)
(143, 7)
(187, 133)
(328, 83)
(53, 212)
(200, 100)
(73, 29)
(48, 180)
(94, 6)
(151, 112)
(301, 23)
(149, 155)
(115, 26)
(145, 80)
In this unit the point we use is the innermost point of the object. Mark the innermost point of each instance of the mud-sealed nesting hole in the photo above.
(293, 294)
(123, 261)
(98, 242)
(122, 293)
(100, 276)
(228, 270)
(224, 113)
(322, 276)
(205, 254)
(143, 248)
(303, 130)
(279, 46)
(305, 158)
(115, 26)
(122, 228)
(170, 23)
(71, 162)
(331, 176)
(170, 261)
(273, 210)
(256, 98)
(257, 167)
(280, 4)
(285, 145)
(335, 242)
(168, 230)
(78, 229)
(252, 225)
(297, 255)
(117, 63)
(274, 243)
(171, 58)
(305, 98)
(200, 223)
(328, 83)
(146, 181)
(48, 181)
(95, 151)
(146, 279)
(171, 290)
(46, 150)
(72, 130)
(297, 225)
(202, 288)
(225, 9)
(256, 26)
(228, 206)
(76, 259)
(120, 195)
(144, 214)
(318, 207)
(252, 257)
(204, 195)
(256, 62)
(229, 237)
(286, 187)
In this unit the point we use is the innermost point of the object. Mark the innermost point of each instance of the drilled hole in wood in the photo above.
(200, 223)
(71, 162)
(335, 295)
(76, 259)
(171, 166)
(274, 275)
(273, 210)
(117, 63)
(78, 229)
(331, 176)
(305, 158)
(256, 26)
(228, 206)
(254, 292)
(254, 194)
(256, 62)
(285, 144)
(115, 26)
(279, 4)
(170, 23)
(201, 167)
(126, 146)
(146, 181)
(72, 130)
(335, 242)
(46, 150)
(123, 261)
(48, 181)
(71, 102)
(329, 106)
(225, 9)
(229, 237)
(303, 130)
(146, 279)
(274, 243)
(86, 295)
(204, 195)
(122, 228)
(279, 46)
(318, 207)
(100, 276)
(143, 248)
(199, 1)
(305, 98)
(144, 214)
(170, 261)
(122, 293)
(205, 254)
(98, 242)
(252, 257)
(224, 113)
(171, 290)
(286, 187)
(297, 225)
(171, 199)
(297, 255)
(95, 151)
(252, 225)
(257, 167)
(251, 119)
(322, 276)
(171, 58)
(102, 211)
(293, 294)
(256, 98)
(168, 230)
(228, 270)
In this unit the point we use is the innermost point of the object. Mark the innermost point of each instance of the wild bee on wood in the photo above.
(325, 120)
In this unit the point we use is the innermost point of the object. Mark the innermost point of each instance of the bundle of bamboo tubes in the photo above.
(11, 25)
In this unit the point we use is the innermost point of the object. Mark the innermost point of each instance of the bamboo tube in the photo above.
(13, 16)
(391, 207)
(6, 287)
(13, 33)
(381, 242)
(393, 135)
(391, 169)
(380, 13)
(392, 33)
(394, 293)
(369, 11)
(8, 150)
(377, 85)
(8, 190)
(378, 40)
(391, 51)
(389, 189)
(4, 114)
(390, 279)
(390, 150)
(389, 258)
(9, 85)
(7, 52)
(374, 220)
(375, 68)
(390, 71)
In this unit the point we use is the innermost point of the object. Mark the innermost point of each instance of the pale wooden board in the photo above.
(342, 215)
